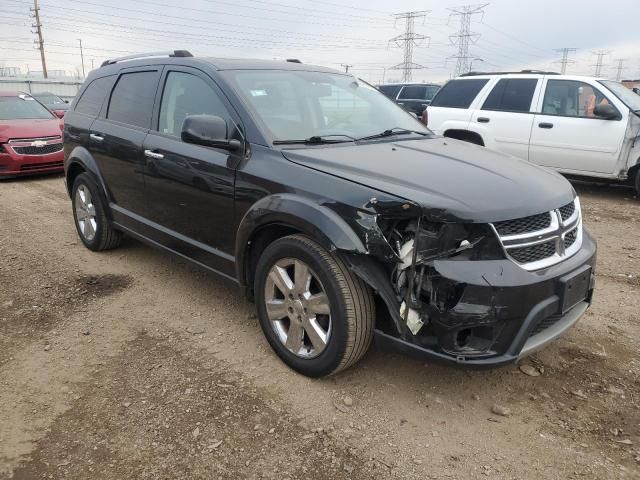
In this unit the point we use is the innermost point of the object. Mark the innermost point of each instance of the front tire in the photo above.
(92, 224)
(316, 314)
(636, 182)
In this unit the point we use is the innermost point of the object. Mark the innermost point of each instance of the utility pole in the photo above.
(620, 68)
(40, 42)
(407, 41)
(600, 54)
(346, 67)
(81, 57)
(565, 58)
(465, 36)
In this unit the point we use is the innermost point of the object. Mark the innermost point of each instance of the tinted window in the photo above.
(511, 95)
(413, 92)
(185, 94)
(571, 99)
(390, 91)
(132, 99)
(418, 92)
(91, 100)
(458, 93)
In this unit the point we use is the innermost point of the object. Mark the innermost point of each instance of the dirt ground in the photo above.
(134, 364)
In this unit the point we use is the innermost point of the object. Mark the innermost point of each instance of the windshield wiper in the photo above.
(393, 131)
(316, 140)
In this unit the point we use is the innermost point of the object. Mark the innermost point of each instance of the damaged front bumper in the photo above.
(498, 312)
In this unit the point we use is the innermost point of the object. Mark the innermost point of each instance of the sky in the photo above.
(508, 35)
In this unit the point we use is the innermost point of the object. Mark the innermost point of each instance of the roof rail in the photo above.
(175, 53)
(523, 72)
(293, 60)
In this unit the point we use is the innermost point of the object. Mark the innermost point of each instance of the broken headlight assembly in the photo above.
(418, 244)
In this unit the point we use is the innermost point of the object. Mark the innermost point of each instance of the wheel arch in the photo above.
(465, 135)
(279, 215)
(79, 161)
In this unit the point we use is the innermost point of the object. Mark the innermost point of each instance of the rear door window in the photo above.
(390, 91)
(91, 100)
(413, 92)
(132, 98)
(459, 93)
(511, 95)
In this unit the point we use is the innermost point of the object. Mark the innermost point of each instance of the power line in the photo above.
(38, 27)
(407, 41)
(465, 36)
(600, 54)
(565, 58)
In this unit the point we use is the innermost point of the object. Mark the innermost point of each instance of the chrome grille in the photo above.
(534, 253)
(532, 223)
(43, 150)
(539, 241)
(567, 211)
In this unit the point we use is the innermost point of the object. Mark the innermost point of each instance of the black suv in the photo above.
(340, 214)
(413, 97)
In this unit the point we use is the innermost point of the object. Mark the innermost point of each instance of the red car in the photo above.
(30, 137)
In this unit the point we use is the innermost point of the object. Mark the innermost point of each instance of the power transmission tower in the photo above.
(620, 68)
(407, 41)
(565, 58)
(600, 54)
(40, 42)
(346, 67)
(465, 36)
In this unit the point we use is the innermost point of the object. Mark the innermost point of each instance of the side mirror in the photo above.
(209, 131)
(66, 101)
(59, 113)
(606, 112)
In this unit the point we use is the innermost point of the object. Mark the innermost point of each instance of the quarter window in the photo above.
(511, 95)
(185, 94)
(571, 98)
(132, 99)
(91, 100)
(459, 93)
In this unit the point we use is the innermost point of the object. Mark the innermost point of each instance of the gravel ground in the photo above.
(134, 364)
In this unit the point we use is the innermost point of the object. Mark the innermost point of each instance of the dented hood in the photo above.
(451, 180)
(30, 128)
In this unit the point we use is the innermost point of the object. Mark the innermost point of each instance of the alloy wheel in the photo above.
(85, 213)
(298, 308)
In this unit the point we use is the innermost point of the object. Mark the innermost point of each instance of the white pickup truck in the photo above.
(580, 126)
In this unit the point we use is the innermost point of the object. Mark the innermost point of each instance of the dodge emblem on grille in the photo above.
(39, 143)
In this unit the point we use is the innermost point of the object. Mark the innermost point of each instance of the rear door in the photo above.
(190, 187)
(117, 136)
(567, 136)
(449, 109)
(505, 117)
(415, 98)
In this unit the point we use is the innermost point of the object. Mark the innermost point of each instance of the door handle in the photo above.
(483, 120)
(95, 138)
(545, 125)
(154, 155)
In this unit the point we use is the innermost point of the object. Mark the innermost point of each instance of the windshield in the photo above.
(22, 107)
(50, 99)
(626, 95)
(299, 105)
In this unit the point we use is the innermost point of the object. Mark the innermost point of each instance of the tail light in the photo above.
(424, 118)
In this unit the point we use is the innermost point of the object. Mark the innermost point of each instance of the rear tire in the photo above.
(636, 182)
(93, 226)
(292, 274)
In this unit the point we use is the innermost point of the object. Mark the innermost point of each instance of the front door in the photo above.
(568, 137)
(190, 187)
